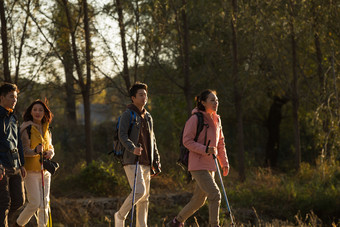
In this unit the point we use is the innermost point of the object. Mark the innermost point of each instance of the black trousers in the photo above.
(12, 195)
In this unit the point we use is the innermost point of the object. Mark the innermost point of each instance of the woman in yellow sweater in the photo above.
(36, 139)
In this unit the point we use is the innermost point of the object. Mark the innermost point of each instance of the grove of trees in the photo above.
(274, 64)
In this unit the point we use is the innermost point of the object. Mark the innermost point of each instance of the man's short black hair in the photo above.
(138, 85)
(8, 87)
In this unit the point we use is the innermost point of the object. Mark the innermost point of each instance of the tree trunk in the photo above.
(73, 45)
(237, 94)
(64, 46)
(185, 57)
(295, 95)
(319, 60)
(335, 87)
(87, 87)
(317, 45)
(22, 42)
(69, 83)
(273, 126)
(126, 75)
(84, 86)
(87, 127)
(4, 39)
(137, 11)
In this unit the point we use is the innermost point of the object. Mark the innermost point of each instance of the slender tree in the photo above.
(126, 73)
(184, 32)
(295, 94)
(237, 92)
(4, 39)
(137, 38)
(63, 47)
(273, 126)
(22, 42)
(84, 84)
(86, 87)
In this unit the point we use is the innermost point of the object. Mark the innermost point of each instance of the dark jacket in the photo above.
(9, 137)
(130, 142)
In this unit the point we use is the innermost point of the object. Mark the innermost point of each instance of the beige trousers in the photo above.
(206, 187)
(33, 185)
(141, 196)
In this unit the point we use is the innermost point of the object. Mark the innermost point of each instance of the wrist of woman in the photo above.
(50, 152)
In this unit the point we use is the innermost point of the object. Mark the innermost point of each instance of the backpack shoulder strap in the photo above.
(133, 117)
(29, 131)
(200, 124)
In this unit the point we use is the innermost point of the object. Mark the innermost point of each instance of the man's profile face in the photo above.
(9, 100)
(141, 98)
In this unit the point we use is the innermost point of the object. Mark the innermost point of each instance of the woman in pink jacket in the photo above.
(201, 163)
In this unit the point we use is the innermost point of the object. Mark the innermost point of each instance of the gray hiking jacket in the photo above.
(130, 142)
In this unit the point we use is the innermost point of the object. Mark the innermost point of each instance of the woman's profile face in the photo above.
(37, 113)
(211, 104)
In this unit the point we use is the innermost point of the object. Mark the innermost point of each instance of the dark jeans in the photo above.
(12, 195)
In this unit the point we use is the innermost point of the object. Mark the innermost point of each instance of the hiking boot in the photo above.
(175, 223)
(119, 222)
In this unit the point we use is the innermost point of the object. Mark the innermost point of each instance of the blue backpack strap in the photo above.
(117, 126)
(132, 118)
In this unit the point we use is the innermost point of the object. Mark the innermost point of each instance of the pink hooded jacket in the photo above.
(198, 158)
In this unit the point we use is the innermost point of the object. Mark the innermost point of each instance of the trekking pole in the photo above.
(134, 189)
(42, 183)
(222, 185)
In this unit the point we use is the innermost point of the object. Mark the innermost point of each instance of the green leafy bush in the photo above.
(97, 179)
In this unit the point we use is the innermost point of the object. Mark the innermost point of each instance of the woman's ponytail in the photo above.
(199, 104)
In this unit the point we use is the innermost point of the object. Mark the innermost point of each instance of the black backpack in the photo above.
(118, 148)
(184, 152)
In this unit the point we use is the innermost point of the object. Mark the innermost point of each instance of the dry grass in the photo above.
(309, 198)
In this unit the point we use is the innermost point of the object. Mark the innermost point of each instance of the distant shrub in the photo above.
(97, 179)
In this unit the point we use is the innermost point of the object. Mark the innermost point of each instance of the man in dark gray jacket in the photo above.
(138, 138)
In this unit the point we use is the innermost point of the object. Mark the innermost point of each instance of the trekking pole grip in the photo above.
(137, 156)
(40, 153)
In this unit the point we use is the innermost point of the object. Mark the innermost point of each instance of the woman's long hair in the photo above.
(47, 116)
(203, 97)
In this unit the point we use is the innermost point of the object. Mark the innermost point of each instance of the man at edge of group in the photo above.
(140, 144)
(12, 160)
